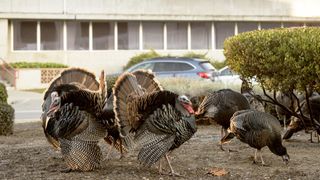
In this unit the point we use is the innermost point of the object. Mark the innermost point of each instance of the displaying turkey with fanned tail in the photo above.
(158, 120)
(258, 129)
(75, 118)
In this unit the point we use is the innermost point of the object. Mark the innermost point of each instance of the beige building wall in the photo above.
(139, 10)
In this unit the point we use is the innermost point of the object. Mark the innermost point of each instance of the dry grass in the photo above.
(193, 87)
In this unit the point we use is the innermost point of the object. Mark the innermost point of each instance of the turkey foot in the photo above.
(67, 170)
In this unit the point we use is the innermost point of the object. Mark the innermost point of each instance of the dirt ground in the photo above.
(27, 155)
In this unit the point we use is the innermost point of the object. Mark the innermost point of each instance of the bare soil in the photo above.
(27, 155)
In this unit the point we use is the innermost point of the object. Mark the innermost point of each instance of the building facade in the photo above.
(104, 34)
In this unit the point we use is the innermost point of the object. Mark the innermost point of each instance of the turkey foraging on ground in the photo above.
(297, 125)
(258, 129)
(75, 119)
(219, 106)
(159, 120)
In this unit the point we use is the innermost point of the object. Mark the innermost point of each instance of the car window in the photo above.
(227, 72)
(171, 66)
(145, 66)
(207, 66)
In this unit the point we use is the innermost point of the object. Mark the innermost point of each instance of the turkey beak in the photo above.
(55, 105)
(286, 159)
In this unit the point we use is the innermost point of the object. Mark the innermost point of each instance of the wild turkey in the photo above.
(219, 107)
(75, 119)
(258, 129)
(159, 120)
(297, 125)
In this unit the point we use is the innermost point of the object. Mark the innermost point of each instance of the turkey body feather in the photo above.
(75, 119)
(155, 117)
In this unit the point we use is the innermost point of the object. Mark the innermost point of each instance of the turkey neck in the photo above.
(191, 120)
(277, 148)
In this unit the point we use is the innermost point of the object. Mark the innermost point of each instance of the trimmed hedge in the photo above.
(3, 93)
(6, 119)
(23, 64)
(281, 59)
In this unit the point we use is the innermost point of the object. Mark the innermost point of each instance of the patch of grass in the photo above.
(39, 90)
(24, 64)
(193, 87)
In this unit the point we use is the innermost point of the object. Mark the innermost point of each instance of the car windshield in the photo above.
(207, 66)
(145, 66)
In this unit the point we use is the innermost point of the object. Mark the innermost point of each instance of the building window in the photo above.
(25, 35)
(223, 30)
(247, 26)
(128, 35)
(51, 35)
(78, 35)
(177, 35)
(313, 24)
(200, 35)
(103, 35)
(152, 35)
(270, 25)
(293, 24)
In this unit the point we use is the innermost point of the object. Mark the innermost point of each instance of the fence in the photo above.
(8, 73)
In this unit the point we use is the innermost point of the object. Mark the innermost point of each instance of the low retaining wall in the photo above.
(35, 78)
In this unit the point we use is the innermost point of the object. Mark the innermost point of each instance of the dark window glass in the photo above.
(128, 35)
(25, 35)
(51, 35)
(171, 66)
(78, 35)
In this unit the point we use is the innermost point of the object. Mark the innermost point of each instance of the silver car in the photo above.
(178, 67)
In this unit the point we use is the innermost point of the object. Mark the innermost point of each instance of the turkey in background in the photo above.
(219, 106)
(159, 121)
(258, 129)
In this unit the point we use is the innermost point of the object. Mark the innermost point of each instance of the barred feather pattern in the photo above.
(82, 152)
(163, 131)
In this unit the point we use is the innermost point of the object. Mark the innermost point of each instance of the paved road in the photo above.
(27, 105)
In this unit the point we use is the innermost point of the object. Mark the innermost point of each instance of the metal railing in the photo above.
(7, 72)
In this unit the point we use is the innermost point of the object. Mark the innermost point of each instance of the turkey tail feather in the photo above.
(125, 88)
(77, 76)
(147, 81)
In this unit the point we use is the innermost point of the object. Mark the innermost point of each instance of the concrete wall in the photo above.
(29, 79)
(162, 9)
(3, 38)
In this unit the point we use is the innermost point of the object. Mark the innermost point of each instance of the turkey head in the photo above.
(184, 105)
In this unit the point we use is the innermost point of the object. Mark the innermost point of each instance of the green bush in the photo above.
(36, 65)
(6, 119)
(280, 59)
(141, 57)
(110, 81)
(217, 64)
(3, 93)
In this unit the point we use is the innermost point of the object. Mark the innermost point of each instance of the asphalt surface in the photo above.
(27, 105)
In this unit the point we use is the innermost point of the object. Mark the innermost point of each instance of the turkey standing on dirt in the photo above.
(159, 120)
(219, 106)
(75, 119)
(258, 129)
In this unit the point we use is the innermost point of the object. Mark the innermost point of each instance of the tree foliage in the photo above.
(280, 59)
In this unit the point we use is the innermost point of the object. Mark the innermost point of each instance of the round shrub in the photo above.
(6, 119)
(3, 93)
(281, 59)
